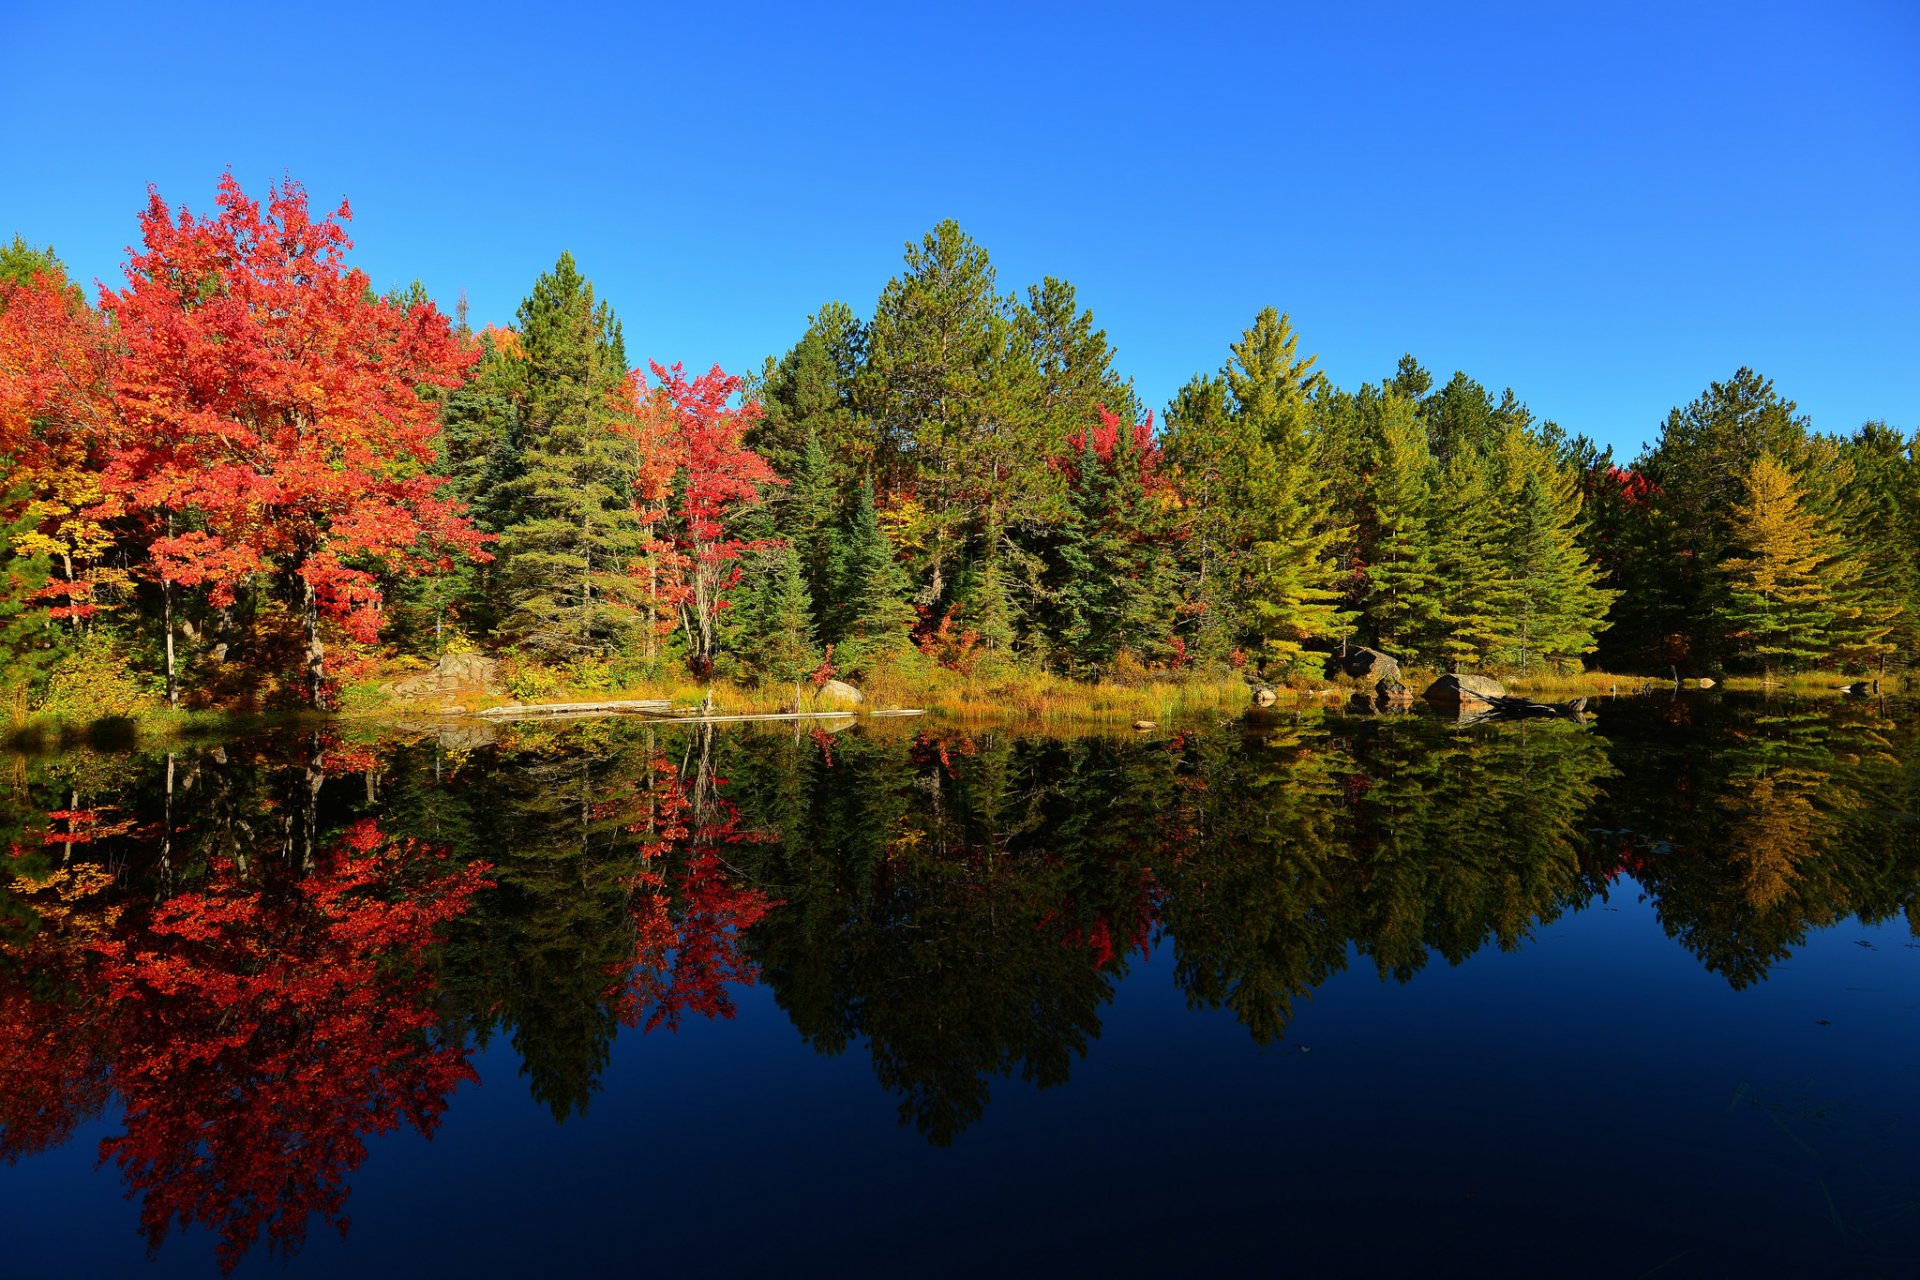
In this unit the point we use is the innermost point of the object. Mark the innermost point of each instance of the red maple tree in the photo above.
(719, 476)
(271, 419)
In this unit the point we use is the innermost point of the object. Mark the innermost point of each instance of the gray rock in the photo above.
(1365, 664)
(1456, 691)
(1264, 697)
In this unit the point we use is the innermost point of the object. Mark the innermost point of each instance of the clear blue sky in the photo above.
(1603, 206)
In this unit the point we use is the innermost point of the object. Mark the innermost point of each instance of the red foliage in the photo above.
(956, 648)
(264, 1033)
(270, 408)
(1141, 444)
(689, 925)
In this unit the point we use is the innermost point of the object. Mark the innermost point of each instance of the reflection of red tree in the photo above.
(264, 1031)
(688, 930)
(53, 1024)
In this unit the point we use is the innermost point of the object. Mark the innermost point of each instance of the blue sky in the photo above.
(1602, 206)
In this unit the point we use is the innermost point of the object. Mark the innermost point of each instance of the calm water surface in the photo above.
(1327, 996)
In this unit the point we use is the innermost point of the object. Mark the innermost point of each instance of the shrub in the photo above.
(94, 682)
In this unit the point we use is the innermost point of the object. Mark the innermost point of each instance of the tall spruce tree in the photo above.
(1289, 576)
(875, 617)
(573, 527)
(1556, 606)
(809, 394)
(773, 626)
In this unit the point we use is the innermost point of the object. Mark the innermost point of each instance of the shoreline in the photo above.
(1043, 702)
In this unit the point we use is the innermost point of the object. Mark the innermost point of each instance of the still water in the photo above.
(1332, 995)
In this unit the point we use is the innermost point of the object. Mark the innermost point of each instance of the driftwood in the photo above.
(533, 710)
(1507, 707)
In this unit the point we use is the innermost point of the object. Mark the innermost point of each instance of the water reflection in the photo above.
(271, 951)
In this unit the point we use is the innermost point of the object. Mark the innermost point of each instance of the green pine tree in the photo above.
(775, 617)
(574, 529)
(1401, 602)
(875, 617)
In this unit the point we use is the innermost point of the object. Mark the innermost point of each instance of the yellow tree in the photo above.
(1776, 601)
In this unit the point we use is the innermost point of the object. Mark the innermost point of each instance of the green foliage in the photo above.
(874, 614)
(573, 528)
(774, 626)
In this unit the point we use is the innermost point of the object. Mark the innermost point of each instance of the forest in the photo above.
(244, 478)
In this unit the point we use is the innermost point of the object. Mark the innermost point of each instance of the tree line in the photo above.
(245, 476)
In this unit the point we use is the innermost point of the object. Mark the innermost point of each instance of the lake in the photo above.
(1332, 994)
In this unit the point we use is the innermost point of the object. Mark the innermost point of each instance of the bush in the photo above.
(94, 682)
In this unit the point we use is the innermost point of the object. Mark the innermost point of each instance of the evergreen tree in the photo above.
(1073, 361)
(1474, 588)
(1114, 586)
(775, 618)
(1212, 453)
(574, 528)
(1556, 603)
(1880, 502)
(1401, 601)
(952, 392)
(1776, 604)
(875, 616)
(1699, 469)
(1289, 578)
(805, 514)
(809, 394)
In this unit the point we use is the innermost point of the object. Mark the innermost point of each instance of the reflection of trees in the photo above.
(615, 899)
(267, 1023)
(1395, 840)
(962, 904)
(275, 949)
(1756, 823)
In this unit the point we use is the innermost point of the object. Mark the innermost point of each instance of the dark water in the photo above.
(1336, 996)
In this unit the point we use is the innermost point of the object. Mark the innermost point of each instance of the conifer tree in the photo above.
(1289, 578)
(774, 623)
(1880, 503)
(809, 393)
(1556, 606)
(1776, 604)
(573, 525)
(806, 514)
(1473, 592)
(875, 616)
(1401, 603)
(1212, 455)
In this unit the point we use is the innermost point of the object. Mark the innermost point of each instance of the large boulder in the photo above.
(1389, 692)
(454, 674)
(1364, 664)
(1265, 696)
(1464, 691)
(838, 693)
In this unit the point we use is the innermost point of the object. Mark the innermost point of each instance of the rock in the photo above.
(1145, 724)
(1464, 691)
(1389, 692)
(455, 673)
(1264, 697)
(1706, 682)
(1365, 664)
(839, 692)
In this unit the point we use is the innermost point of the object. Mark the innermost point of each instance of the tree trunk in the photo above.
(316, 652)
(173, 675)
